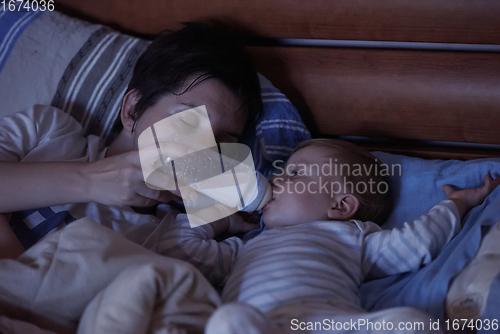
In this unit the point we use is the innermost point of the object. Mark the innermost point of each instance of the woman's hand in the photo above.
(466, 199)
(118, 180)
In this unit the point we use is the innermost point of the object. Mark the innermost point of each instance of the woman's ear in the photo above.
(344, 207)
(127, 112)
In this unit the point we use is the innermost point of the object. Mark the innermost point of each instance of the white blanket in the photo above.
(88, 279)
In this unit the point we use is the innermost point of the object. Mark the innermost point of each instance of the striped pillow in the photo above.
(84, 69)
(95, 80)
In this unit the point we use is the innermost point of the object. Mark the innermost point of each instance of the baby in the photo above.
(303, 273)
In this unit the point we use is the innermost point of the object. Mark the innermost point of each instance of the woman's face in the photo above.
(226, 116)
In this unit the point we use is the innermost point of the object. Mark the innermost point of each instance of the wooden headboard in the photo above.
(410, 75)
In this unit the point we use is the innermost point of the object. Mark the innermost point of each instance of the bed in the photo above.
(416, 82)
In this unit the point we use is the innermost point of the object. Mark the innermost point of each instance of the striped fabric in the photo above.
(95, 80)
(31, 225)
(278, 132)
(322, 261)
(12, 25)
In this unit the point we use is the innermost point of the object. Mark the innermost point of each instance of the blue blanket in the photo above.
(415, 192)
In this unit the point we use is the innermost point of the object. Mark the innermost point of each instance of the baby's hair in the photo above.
(373, 206)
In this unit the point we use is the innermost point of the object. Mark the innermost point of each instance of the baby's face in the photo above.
(297, 194)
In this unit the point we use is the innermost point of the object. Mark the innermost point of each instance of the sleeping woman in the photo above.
(51, 174)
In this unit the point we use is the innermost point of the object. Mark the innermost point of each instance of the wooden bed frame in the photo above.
(440, 81)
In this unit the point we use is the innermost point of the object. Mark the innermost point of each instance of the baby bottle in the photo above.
(264, 194)
(239, 185)
(228, 177)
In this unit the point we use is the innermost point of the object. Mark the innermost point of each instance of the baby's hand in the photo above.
(242, 222)
(467, 199)
(236, 223)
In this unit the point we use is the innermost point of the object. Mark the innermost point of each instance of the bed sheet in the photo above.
(89, 278)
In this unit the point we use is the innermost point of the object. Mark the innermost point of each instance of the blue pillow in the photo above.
(416, 191)
(279, 130)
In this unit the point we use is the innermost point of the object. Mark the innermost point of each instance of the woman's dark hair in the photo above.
(195, 49)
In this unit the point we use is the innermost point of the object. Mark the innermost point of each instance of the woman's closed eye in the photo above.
(190, 119)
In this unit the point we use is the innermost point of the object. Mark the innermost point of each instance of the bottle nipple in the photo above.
(264, 195)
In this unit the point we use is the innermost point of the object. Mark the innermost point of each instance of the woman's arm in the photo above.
(116, 180)
(46, 134)
(35, 185)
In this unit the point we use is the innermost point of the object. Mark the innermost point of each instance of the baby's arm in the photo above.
(196, 246)
(405, 249)
(236, 223)
(466, 199)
